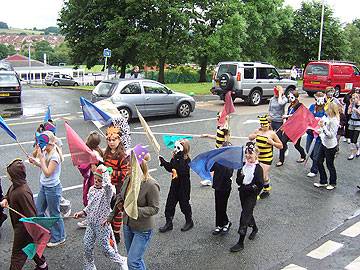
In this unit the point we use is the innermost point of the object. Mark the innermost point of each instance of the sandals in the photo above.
(301, 160)
(279, 164)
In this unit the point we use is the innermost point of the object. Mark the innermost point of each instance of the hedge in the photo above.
(178, 76)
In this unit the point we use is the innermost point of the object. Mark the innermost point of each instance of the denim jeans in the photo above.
(315, 153)
(49, 199)
(136, 243)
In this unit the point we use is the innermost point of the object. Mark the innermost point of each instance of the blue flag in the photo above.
(169, 140)
(5, 127)
(94, 113)
(47, 115)
(230, 156)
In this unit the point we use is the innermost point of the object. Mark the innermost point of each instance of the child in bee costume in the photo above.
(180, 185)
(251, 181)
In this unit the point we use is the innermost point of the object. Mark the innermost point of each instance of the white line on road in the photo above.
(181, 134)
(325, 250)
(29, 142)
(354, 265)
(251, 121)
(80, 186)
(36, 117)
(3, 176)
(352, 231)
(293, 267)
(25, 123)
(179, 123)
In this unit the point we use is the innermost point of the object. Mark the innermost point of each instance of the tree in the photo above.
(5, 51)
(61, 54)
(217, 26)
(42, 47)
(3, 25)
(303, 37)
(352, 37)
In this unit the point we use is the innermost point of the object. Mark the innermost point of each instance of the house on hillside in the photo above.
(34, 71)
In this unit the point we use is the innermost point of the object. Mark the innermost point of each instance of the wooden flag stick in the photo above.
(12, 209)
(22, 148)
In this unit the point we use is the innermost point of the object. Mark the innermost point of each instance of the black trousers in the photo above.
(248, 202)
(347, 132)
(329, 156)
(221, 201)
(181, 195)
(297, 145)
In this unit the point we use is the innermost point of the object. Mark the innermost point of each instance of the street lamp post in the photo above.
(29, 45)
(321, 28)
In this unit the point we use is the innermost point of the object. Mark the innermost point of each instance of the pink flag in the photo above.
(228, 108)
(39, 234)
(80, 152)
(298, 123)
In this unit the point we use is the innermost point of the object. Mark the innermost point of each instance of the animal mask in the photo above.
(178, 147)
(42, 140)
(320, 101)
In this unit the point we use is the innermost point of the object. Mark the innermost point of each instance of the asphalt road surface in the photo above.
(300, 226)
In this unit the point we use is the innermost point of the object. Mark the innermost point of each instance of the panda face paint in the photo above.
(320, 101)
(291, 97)
(178, 147)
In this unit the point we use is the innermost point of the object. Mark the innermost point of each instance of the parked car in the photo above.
(252, 81)
(10, 86)
(57, 79)
(343, 76)
(150, 97)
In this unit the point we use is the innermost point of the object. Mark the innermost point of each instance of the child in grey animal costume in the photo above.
(96, 212)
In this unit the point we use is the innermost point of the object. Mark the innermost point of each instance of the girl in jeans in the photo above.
(138, 232)
(49, 159)
(327, 132)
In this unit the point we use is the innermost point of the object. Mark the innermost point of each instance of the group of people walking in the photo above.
(105, 182)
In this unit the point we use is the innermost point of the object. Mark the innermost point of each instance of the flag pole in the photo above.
(22, 148)
(12, 209)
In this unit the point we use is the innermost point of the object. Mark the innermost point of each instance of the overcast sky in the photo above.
(44, 13)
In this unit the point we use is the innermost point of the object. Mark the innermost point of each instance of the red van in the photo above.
(321, 74)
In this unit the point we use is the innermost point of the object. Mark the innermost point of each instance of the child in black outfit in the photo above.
(180, 186)
(222, 186)
(251, 181)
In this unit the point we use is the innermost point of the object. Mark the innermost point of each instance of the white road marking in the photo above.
(251, 121)
(354, 265)
(352, 231)
(179, 123)
(293, 267)
(36, 117)
(182, 134)
(3, 176)
(325, 250)
(25, 123)
(80, 186)
(29, 142)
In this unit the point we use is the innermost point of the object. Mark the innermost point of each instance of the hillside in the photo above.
(18, 31)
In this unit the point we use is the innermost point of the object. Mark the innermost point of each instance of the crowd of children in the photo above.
(105, 182)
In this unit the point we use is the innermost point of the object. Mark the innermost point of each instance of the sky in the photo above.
(44, 13)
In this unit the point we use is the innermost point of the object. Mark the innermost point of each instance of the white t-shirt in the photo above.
(54, 179)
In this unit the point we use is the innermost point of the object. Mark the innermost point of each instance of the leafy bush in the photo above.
(180, 74)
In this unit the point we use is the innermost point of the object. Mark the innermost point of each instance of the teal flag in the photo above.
(30, 250)
(169, 140)
(46, 222)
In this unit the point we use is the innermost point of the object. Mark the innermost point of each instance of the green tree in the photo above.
(40, 48)
(3, 25)
(61, 54)
(302, 39)
(217, 26)
(3, 51)
(352, 37)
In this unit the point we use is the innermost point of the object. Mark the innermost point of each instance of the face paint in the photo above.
(178, 147)
(42, 140)
(292, 98)
(276, 91)
(320, 101)
(50, 127)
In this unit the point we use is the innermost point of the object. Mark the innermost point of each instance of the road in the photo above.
(295, 220)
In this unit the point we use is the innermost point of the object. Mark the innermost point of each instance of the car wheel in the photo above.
(125, 112)
(255, 97)
(337, 91)
(184, 109)
(76, 84)
(310, 94)
(56, 84)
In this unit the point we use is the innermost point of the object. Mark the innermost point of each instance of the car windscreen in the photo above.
(104, 89)
(317, 69)
(227, 68)
(8, 79)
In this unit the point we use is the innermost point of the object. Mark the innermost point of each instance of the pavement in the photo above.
(295, 220)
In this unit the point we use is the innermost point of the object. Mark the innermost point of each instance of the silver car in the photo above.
(150, 97)
(57, 79)
(252, 81)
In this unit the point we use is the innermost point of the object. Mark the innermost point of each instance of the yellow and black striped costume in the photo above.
(220, 137)
(265, 150)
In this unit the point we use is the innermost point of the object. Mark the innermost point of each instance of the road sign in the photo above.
(107, 53)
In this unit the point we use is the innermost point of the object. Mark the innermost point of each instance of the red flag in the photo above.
(80, 152)
(39, 234)
(228, 108)
(298, 123)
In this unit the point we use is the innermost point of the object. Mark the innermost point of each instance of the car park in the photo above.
(151, 98)
(251, 81)
(57, 79)
(10, 86)
(342, 76)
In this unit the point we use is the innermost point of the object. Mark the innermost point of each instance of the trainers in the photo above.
(237, 247)
(123, 263)
(82, 224)
(330, 187)
(226, 228)
(351, 157)
(311, 174)
(344, 139)
(264, 195)
(318, 185)
(55, 244)
(217, 230)
(286, 152)
(348, 141)
(206, 183)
